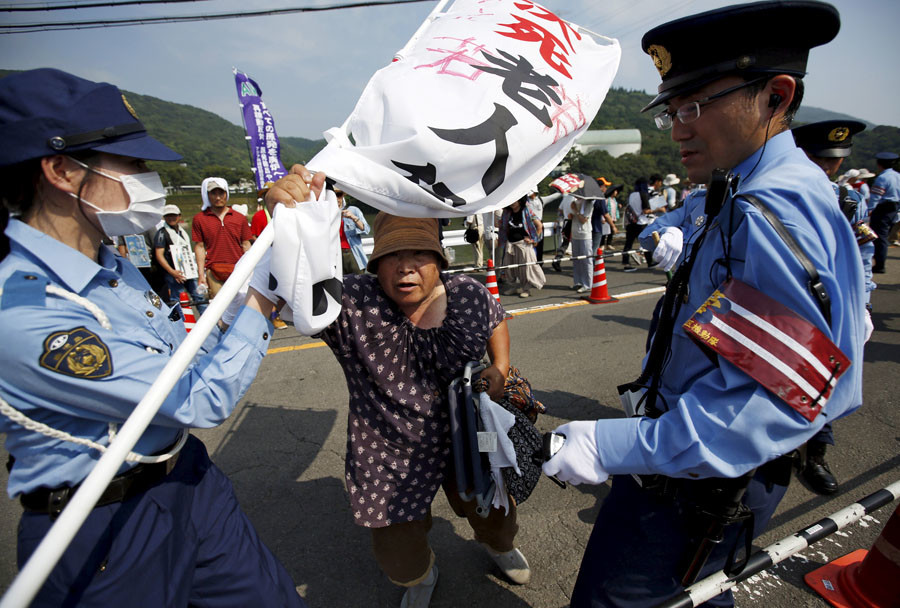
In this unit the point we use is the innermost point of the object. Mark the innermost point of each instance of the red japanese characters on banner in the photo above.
(485, 101)
(552, 49)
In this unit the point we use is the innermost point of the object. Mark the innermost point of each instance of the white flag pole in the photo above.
(415, 37)
(402, 52)
(44, 559)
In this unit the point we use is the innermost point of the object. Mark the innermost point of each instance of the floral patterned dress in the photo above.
(398, 432)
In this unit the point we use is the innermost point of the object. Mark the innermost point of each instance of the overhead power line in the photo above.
(24, 28)
(63, 6)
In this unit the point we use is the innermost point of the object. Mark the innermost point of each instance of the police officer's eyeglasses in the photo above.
(690, 112)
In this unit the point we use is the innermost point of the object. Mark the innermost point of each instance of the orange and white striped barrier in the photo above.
(491, 280)
(599, 291)
(187, 311)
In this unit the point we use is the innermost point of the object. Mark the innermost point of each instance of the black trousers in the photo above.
(881, 221)
(632, 231)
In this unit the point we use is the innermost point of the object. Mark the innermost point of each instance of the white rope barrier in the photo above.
(547, 261)
(44, 559)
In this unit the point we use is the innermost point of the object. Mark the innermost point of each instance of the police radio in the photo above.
(722, 185)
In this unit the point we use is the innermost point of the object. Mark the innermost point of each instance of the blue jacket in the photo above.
(61, 367)
(719, 421)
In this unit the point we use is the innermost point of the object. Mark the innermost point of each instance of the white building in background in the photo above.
(615, 142)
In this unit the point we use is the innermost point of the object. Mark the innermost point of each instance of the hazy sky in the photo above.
(312, 67)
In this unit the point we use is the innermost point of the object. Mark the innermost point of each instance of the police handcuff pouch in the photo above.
(305, 265)
(772, 344)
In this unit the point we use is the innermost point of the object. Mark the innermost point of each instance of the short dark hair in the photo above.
(20, 186)
(754, 90)
(656, 177)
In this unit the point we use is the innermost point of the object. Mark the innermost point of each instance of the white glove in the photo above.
(578, 460)
(870, 327)
(671, 242)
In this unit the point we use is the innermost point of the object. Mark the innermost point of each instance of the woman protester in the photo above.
(403, 334)
(520, 230)
(89, 338)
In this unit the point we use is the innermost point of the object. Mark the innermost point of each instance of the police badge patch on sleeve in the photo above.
(770, 343)
(79, 353)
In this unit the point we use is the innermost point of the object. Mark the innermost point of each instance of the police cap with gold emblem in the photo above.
(752, 39)
(828, 138)
(46, 111)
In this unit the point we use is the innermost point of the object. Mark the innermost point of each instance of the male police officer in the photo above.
(827, 143)
(731, 81)
(883, 204)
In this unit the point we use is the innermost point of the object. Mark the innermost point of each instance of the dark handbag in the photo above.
(471, 235)
(527, 441)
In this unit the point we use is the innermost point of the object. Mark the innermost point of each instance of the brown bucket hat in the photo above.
(394, 233)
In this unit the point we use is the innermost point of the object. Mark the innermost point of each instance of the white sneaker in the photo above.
(581, 289)
(419, 596)
(512, 563)
(524, 294)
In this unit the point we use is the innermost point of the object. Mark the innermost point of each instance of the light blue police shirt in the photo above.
(720, 422)
(60, 367)
(886, 187)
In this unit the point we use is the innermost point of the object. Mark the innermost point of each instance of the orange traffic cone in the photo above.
(491, 281)
(187, 311)
(864, 579)
(599, 292)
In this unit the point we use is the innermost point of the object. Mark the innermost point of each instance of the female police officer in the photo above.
(84, 337)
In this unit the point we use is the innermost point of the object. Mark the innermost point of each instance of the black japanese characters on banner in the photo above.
(491, 130)
(428, 174)
(521, 83)
(516, 74)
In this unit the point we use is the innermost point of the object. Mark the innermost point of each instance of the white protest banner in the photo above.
(483, 104)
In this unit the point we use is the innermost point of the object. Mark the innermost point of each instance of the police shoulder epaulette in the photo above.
(24, 288)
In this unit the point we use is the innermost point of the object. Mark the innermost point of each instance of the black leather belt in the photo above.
(122, 487)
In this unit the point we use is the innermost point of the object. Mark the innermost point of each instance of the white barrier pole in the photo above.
(44, 559)
(718, 582)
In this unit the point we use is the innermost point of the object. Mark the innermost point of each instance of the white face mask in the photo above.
(146, 195)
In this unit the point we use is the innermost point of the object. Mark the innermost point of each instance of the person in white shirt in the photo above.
(669, 191)
(639, 212)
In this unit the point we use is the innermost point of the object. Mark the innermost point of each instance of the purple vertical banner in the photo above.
(261, 136)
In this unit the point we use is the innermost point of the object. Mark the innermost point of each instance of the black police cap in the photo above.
(46, 111)
(828, 138)
(744, 39)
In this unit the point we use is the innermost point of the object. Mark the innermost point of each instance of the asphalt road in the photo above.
(284, 450)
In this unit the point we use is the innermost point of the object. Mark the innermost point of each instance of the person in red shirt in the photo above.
(220, 234)
(259, 222)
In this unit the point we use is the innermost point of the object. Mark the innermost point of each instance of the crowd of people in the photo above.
(91, 334)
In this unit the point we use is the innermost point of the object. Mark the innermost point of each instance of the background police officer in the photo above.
(827, 144)
(883, 205)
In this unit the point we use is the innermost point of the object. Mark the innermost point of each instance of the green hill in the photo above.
(213, 146)
(659, 154)
(209, 144)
